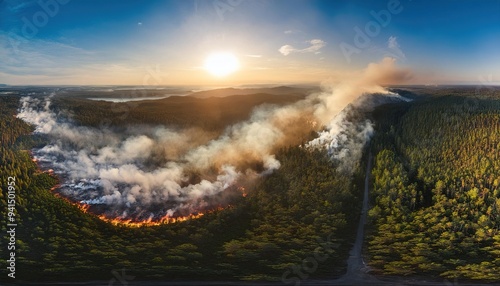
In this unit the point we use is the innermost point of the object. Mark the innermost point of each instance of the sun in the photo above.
(221, 64)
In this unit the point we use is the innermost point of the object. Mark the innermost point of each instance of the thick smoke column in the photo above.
(148, 172)
(345, 135)
(344, 140)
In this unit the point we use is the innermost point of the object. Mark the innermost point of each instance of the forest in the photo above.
(212, 114)
(436, 198)
(305, 209)
(434, 204)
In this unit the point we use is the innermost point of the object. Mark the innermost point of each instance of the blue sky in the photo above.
(282, 41)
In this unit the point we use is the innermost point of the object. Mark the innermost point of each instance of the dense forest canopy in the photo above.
(306, 208)
(435, 202)
(436, 197)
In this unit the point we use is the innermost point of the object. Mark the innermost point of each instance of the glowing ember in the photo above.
(243, 192)
(164, 220)
(83, 208)
(56, 194)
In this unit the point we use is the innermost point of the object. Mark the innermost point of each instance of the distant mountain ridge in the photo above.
(211, 113)
(224, 92)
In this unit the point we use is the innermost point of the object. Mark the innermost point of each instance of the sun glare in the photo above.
(221, 64)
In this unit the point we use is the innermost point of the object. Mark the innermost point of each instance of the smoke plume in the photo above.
(147, 172)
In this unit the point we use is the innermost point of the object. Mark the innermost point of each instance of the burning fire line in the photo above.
(129, 222)
(164, 220)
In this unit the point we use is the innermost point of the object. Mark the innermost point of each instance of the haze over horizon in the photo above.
(235, 42)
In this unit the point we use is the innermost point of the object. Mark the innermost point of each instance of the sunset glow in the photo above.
(221, 64)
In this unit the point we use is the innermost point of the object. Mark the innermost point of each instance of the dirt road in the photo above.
(356, 268)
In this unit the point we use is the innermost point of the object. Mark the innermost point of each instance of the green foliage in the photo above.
(284, 220)
(210, 114)
(436, 197)
(305, 201)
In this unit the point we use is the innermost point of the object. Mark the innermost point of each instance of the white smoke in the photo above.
(344, 140)
(344, 137)
(346, 134)
(147, 172)
(104, 167)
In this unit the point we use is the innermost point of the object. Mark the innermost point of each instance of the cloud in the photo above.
(287, 49)
(315, 46)
(392, 43)
(15, 6)
(38, 61)
(393, 46)
(391, 49)
(254, 56)
(40, 57)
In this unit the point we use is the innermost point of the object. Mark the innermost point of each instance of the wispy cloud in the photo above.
(393, 46)
(254, 56)
(315, 46)
(392, 49)
(15, 6)
(37, 61)
(289, 32)
(35, 55)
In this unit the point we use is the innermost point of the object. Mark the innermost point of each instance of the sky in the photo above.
(125, 42)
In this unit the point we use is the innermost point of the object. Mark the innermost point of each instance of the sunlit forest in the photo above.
(264, 142)
(305, 208)
(434, 205)
(436, 198)
(211, 114)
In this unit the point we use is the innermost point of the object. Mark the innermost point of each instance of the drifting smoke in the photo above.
(145, 173)
(345, 134)
(102, 167)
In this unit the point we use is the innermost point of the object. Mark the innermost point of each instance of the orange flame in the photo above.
(149, 222)
(55, 188)
(131, 223)
(243, 191)
(83, 207)
(125, 222)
